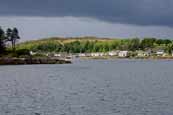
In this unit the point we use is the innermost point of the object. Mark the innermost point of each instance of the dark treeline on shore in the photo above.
(92, 44)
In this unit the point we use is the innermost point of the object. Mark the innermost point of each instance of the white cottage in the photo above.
(113, 53)
(160, 53)
(82, 55)
(97, 54)
(123, 54)
(143, 53)
(57, 55)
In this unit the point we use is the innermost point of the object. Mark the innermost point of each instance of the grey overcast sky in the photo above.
(102, 18)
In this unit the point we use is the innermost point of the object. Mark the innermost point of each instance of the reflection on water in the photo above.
(95, 87)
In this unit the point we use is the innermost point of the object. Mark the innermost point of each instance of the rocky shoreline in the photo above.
(24, 61)
(115, 57)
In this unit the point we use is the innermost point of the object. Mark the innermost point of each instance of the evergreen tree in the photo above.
(2, 41)
(12, 36)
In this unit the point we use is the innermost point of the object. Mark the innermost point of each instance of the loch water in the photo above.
(88, 87)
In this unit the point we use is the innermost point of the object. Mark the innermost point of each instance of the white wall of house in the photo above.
(113, 53)
(160, 52)
(142, 54)
(82, 55)
(123, 54)
(57, 55)
(97, 54)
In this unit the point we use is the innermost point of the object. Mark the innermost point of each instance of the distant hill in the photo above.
(32, 44)
(70, 39)
(94, 44)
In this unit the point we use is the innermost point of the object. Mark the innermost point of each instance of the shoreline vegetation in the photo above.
(93, 44)
(10, 55)
(58, 50)
(101, 48)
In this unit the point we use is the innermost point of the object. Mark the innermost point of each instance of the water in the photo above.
(95, 87)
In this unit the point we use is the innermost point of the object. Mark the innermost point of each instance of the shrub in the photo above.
(22, 52)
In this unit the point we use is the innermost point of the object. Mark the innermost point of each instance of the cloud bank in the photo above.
(138, 12)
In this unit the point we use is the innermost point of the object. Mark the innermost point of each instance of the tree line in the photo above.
(6, 36)
(87, 46)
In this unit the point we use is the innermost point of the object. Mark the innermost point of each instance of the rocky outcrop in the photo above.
(23, 61)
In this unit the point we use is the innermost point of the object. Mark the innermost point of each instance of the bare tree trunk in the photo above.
(13, 46)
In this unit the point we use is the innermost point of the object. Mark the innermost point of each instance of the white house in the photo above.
(160, 53)
(143, 53)
(57, 55)
(113, 53)
(123, 54)
(97, 54)
(82, 55)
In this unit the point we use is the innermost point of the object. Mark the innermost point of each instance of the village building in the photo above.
(82, 55)
(123, 53)
(57, 55)
(160, 53)
(113, 53)
(88, 54)
(143, 53)
(97, 54)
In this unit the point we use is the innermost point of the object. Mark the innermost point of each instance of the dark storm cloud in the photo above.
(140, 12)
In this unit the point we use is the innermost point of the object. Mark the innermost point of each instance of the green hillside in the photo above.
(93, 44)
